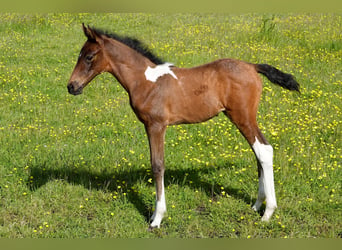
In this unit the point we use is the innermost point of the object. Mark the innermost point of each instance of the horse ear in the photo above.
(90, 33)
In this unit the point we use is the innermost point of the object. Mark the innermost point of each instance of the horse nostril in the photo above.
(74, 89)
(71, 88)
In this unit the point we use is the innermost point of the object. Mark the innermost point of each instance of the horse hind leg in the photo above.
(261, 192)
(264, 154)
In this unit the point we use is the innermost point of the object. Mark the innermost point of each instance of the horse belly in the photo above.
(195, 110)
(196, 96)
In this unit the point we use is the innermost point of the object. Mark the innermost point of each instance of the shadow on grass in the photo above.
(107, 181)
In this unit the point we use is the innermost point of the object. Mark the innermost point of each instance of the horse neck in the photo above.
(127, 65)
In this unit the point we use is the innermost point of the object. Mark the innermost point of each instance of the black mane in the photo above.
(134, 44)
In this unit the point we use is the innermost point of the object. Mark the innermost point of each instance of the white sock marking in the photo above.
(160, 209)
(152, 74)
(261, 193)
(264, 153)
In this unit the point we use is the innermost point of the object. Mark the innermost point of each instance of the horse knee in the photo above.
(158, 169)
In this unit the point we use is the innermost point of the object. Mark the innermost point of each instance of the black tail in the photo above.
(284, 80)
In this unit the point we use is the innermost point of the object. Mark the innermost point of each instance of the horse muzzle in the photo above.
(74, 89)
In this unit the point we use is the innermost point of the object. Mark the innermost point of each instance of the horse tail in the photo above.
(278, 77)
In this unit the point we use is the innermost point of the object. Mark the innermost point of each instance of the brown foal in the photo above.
(161, 95)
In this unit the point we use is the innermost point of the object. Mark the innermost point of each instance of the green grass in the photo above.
(78, 167)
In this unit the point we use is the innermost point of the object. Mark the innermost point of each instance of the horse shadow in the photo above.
(106, 181)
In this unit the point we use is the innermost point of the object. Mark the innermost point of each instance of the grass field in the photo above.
(78, 167)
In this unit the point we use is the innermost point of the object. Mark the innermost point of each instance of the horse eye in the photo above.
(89, 58)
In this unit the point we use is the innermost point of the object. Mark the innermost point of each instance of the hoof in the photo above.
(268, 213)
(265, 218)
(151, 228)
(256, 207)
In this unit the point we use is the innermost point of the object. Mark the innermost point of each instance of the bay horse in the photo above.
(162, 94)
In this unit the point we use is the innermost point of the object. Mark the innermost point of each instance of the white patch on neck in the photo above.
(152, 74)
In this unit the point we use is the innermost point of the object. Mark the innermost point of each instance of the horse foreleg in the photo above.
(156, 136)
(160, 206)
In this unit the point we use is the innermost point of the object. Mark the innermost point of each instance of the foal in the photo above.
(161, 95)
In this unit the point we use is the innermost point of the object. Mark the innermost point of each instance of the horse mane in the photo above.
(133, 43)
